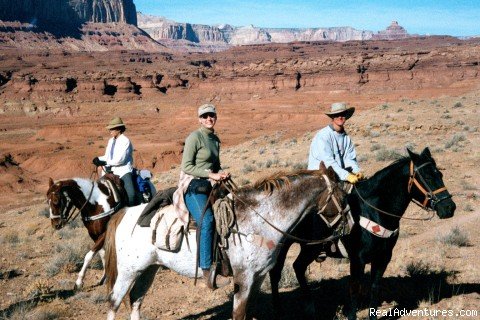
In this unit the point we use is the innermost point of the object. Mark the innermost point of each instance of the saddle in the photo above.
(161, 199)
(115, 186)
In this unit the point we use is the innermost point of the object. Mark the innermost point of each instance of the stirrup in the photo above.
(322, 256)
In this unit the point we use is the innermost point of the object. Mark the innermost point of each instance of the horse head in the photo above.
(59, 203)
(426, 185)
(335, 201)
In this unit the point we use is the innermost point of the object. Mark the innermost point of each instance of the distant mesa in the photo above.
(164, 31)
(393, 32)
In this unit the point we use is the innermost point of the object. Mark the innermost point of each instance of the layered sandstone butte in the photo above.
(162, 30)
(57, 15)
(393, 31)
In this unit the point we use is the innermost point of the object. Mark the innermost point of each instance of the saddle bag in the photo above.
(200, 186)
(167, 229)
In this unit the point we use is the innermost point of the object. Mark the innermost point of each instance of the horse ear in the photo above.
(332, 175)
(322, 167)
(426, 153)
(412, 154)
(50, 182)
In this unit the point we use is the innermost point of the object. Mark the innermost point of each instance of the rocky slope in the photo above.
(65, 16)
(242, 72)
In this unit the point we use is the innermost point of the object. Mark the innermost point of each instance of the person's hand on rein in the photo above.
(96, 161)
(219, 176)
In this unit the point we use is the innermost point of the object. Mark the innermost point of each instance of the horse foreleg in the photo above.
(81, 275)
(243, 282)
(101, 252)
(357, 270)
(378, 269)
(276, 274)
(140, 288)
(305, 258)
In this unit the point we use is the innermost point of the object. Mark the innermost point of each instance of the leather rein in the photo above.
(425, 190)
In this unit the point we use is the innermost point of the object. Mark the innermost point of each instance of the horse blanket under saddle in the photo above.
(115, 187)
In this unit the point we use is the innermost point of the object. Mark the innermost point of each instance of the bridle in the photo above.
(67, 214)
(424, 188)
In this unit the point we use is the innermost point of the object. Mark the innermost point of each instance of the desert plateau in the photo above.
(58, 92)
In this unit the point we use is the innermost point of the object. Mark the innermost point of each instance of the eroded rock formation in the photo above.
(56, 15)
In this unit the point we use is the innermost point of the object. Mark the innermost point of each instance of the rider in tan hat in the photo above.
(119, 156)
(333, 146)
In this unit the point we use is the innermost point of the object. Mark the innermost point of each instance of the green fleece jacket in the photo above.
(201, 153)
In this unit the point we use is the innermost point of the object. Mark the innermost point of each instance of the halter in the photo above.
(425, 189)
(332, 197)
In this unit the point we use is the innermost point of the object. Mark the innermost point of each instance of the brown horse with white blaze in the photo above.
(96, 201)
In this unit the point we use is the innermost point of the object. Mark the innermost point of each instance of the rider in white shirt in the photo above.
(118, 157)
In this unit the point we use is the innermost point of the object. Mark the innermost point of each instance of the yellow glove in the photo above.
(360, 175)
(352, 178)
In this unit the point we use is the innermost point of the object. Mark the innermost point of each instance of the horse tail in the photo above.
(111, 271)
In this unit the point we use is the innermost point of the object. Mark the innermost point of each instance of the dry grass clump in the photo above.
(455, 140)
(418, 269)
(456, 237)
(38, 289)
(10, 237)
(68, 257)
(384, 154)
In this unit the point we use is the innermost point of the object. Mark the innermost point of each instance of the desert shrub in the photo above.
(10, 237)
(98, 298)
(288, 279)
(456, 237)
(271, 162)
(248, 168)
(244, 182)
(458, 105)
(418, 269)
(68, 257)
(384, 106)
(300, 165)
(261, 150)
(410, 119)
(466, 185)
(446, 116)
(374, 134)
(468, 207)
(459, 123)
(45, 212)
(454, 141)
(375, 147)
(387, 155)
(399, 109)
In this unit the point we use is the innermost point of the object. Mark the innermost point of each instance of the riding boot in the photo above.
(214, 281)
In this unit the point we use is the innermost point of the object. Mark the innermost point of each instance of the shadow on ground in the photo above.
(329, 297)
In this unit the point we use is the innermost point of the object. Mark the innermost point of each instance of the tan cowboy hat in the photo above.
(340, 108)
(115, 123)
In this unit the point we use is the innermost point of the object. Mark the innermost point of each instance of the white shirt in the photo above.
(121, 161)
(334, 149)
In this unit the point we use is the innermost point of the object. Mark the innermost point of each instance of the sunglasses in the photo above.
(208, 114)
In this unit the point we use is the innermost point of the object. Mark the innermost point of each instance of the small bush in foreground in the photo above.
(456, 237)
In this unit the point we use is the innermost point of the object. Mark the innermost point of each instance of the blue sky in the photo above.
(457, 18)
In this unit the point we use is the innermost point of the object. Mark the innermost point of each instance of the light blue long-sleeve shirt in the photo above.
(334, 149)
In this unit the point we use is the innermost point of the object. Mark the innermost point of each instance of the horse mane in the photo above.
(280, 179)
(370, 185)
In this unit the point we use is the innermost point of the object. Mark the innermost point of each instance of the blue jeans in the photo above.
(129, 188)
(196, 203)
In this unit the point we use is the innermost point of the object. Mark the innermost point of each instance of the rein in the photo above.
(429, 195)
(286, 234)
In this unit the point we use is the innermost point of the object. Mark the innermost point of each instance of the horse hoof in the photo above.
(77, 287)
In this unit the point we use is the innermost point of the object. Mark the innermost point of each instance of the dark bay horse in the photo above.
(377, 206)
(262, 222)
(97, 201)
